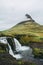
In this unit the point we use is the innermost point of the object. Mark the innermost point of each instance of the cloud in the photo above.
(13, 11)
(21, 4)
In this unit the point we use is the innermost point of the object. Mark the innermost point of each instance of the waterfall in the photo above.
(25, 51)
(15, 49)
(17, 44)
(19, 47)
(10, 50)
(17, 56)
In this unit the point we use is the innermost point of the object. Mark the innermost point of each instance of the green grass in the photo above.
(38, 52)
(27, 28)
(2, 51)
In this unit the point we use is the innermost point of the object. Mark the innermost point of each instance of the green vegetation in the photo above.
(2, 51)
(3, 48)
(25, 63)
(26, 39)
(38, 53)
(32, 30)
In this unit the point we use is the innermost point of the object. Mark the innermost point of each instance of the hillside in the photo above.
(29, 30)
(25, 27)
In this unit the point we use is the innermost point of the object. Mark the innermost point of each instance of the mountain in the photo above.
(26, 31)
(25, 27)
(29, 29)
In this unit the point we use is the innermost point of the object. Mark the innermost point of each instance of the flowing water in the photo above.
(20, 52)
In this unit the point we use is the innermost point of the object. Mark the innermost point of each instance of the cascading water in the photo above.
(4, 41)
(17, 44)
(23, 51)
(17, 56)
(19, 47)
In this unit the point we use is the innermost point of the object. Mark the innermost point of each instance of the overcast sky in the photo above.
(13, 11)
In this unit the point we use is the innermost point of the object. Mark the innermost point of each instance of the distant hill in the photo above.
(25, 27)
(30, 28)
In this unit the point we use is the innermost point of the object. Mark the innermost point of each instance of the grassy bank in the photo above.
(38, 53)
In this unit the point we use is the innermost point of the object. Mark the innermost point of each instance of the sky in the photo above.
(13, 12)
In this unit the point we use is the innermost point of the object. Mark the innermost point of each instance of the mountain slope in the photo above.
(26, 31)
(25, 27)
